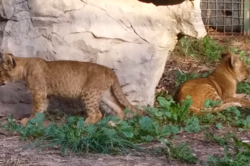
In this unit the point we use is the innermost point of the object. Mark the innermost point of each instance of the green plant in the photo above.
(73, 135)
(222, 141)
(207, 119)
(206, 46)
(239, 158)
(183, 77)
(175, 114)
(183, 153)
(186, 46)
(101, 137)
(144, 129)
(231, 116)
(180, 152)
(192, 124)
(242, 54)
(243, 87)
(210, 103)
(170, 111)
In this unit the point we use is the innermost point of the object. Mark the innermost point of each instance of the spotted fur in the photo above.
(90, 82)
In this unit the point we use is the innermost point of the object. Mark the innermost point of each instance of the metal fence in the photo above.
(226, 16)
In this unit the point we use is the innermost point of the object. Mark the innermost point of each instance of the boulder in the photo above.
(132, 37)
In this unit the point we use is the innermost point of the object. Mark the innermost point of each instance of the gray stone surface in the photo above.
(132, 37)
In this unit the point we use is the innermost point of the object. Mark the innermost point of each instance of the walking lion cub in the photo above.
(90, 82)
(219, 85)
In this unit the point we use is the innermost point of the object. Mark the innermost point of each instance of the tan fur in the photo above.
(219, 85)
(67, 79)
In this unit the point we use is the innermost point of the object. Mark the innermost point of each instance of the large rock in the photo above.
(132, 37)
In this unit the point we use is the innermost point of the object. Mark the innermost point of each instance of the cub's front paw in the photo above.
(24, 121)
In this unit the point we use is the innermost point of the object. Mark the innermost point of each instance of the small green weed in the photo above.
(143, 129)
(206, 46)
(170, 111)
(183, 152)
(169, 119)
(210, 103)
(242, 54)
(101, 137)
(231, 116)
(180, 152)
(243, 87)
(183, 77)
(192, 125)
(73, 135)
(239, 158)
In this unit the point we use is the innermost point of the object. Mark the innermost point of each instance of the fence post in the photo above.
(246, 17)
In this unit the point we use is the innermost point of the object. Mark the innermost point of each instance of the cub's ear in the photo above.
(9, 59)
(234, 61)
(225, 54)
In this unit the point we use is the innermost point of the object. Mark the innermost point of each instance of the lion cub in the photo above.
(90, 82)
(219, 85)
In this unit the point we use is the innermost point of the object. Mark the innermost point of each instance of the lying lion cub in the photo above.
(67, 79)
(220, 85)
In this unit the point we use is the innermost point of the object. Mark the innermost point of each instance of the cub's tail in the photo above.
(117, 91)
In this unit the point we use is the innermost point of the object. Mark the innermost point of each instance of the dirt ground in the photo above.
(14, 152)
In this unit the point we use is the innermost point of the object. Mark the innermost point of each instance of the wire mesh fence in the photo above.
(226, 16)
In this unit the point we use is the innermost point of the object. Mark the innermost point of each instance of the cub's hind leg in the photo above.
(40, 104)
(92, 99)
(224, 106)
(242, 99)
(219, 108)
(213, 95)
(109, 99)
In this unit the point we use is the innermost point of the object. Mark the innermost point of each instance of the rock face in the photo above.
(129, 36)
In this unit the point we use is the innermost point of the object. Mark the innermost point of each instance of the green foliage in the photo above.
(184, 153)
(183, 77)
(210, 103)
(239, 158)
(243, 87)
(206, 46)
(222, 141)
(242, 54)
(167, 120)
(75, 136)
(243, 123)
(231, 116)
(193, 125)
(170, 111)
(180, 152)
(33, 129)
(164, 122)
(101, 137)
(219, 126)
(235, 118)
(143, 129)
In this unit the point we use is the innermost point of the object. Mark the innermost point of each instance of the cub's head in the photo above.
(8, 69)
(235, 65)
